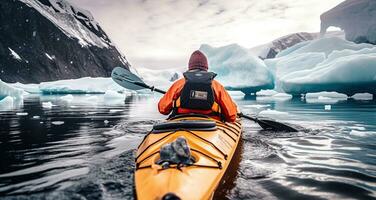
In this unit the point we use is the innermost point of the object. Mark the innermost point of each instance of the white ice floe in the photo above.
(270, 112)
(36, 117)
(257, 106)
(86, 85)
(266, 93)
(326, 94)
(47, 105)
(57, 123)
(116, 110)
(362, 96)
(22, 114)
(328, 107)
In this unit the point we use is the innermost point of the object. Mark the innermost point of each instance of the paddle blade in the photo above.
(126, 79)
(271, 125)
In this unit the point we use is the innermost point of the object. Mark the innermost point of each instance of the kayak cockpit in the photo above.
(194, 125)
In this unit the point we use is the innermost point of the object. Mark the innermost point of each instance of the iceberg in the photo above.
(356, 17)
(9, 90)
(6, 103)
(238, 69)
(326, 64)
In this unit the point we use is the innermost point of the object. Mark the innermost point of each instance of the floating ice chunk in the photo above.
(326, 94)
(30, 88)
(282, 95)
(110, 94)
(362, 96)
(36, 117)
(47, 105)
(57, 123)
(115, 110)
(106, 121)
(86, 85)
(270, 112)
(14, 54)
(257, 106)
(22, 114)
(266, 93)
(328, 107)
(67, 98)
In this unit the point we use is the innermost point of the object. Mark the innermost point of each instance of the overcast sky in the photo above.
(163, 33)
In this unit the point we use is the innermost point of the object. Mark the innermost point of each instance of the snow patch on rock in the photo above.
(14, 54)
(66, 17)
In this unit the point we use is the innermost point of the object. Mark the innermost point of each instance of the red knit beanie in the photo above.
(198, 61)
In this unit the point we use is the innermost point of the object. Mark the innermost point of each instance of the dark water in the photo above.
(84, 149)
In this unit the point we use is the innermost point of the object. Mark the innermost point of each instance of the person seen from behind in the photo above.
(198, 93)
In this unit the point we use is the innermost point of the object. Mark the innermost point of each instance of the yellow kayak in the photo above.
(212, 145)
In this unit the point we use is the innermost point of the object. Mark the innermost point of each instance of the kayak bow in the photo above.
(212, 144)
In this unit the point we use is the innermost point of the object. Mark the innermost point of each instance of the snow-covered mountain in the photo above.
(271, 49)
(356, 17)
(45, 40)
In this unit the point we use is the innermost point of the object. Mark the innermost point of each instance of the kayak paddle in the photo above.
(130, 81)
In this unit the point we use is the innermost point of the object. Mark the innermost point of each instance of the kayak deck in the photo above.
(212, 148)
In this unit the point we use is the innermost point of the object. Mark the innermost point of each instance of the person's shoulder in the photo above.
(217, 83)
(180, 82)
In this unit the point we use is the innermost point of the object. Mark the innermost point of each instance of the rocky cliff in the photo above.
(45, 40)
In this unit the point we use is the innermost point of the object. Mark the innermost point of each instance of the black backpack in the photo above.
(197, 92)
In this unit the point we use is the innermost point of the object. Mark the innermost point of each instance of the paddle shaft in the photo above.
(152, 88)
(264, 123)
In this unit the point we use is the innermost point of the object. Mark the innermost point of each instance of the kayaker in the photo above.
(198, 93)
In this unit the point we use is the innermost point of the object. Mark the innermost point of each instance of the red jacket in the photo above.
(228, 107)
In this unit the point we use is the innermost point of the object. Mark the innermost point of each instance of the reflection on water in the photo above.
(84, 148)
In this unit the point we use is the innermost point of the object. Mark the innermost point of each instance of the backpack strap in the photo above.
(216, 109)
